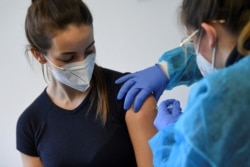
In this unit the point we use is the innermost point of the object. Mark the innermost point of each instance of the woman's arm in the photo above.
(176, 67)
(29, 161)
(141, 129)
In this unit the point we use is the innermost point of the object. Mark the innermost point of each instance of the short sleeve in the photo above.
(25, 135)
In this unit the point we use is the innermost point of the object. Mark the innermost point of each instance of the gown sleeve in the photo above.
(214, 127)
(180, 65)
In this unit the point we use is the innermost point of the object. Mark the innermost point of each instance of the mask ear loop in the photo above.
(60, 68)
(214, 54)
(213, 57)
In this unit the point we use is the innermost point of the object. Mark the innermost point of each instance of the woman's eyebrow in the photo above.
(90, 45)
(70, 53)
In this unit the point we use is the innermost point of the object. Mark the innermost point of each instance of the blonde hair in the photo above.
(244, 36)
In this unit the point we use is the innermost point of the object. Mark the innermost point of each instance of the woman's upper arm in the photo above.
(141, 129)
(30, 161)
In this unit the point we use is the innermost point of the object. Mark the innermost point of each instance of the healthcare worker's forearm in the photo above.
(180, 67)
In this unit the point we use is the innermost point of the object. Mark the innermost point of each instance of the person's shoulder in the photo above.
(112, 74)
(115, 106)
(35, 111)
(223, 88)
(230, 79)
(217, 107)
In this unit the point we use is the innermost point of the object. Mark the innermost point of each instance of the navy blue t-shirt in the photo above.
(76, 138)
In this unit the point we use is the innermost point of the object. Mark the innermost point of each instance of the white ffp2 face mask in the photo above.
(204, 66)
(76, 75)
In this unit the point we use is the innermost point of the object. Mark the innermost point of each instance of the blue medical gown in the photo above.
(182, 67)
(214, 129)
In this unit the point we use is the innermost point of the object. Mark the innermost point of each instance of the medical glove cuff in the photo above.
(162, 79)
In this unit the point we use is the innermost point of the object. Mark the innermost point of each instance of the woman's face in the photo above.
(73, 44)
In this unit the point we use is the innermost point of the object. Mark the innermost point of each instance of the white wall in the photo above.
(130, 35)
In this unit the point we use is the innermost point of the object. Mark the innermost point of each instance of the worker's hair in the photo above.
(235, 13)
(47, 17)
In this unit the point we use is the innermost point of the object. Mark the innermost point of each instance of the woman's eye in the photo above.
(68, 58)
(88, 52)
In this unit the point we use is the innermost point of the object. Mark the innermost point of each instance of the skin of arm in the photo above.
(30, 161)
(141, 129)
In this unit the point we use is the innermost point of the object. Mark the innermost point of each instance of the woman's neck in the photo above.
(65, 97)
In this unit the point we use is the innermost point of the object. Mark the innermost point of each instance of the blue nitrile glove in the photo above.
(168, 113)
(139, 85)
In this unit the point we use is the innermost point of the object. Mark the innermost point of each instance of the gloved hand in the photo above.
(139, 85)
(168, 112)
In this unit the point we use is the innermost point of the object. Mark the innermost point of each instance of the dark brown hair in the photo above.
(236, 14)
(44, 18)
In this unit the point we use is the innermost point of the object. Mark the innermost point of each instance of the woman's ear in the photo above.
(211, 34)
(38, 56)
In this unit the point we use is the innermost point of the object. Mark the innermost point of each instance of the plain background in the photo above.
(130, 35)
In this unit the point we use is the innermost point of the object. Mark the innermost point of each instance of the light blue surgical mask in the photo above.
(76, 75)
